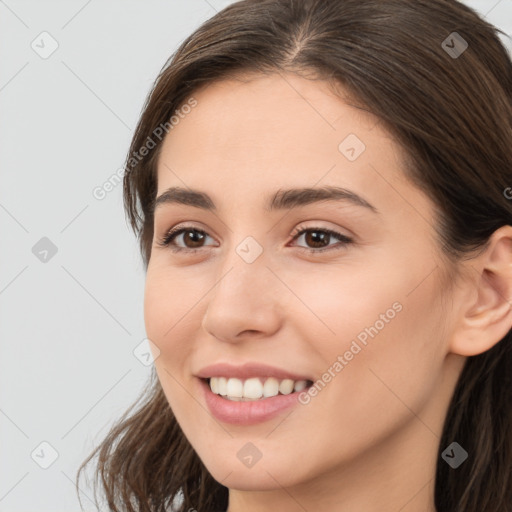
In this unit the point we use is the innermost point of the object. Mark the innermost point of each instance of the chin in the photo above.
(251, 480)
(266, 475)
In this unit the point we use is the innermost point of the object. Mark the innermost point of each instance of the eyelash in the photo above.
(168, 239)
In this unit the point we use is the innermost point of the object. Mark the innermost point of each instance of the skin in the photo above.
(369, 439)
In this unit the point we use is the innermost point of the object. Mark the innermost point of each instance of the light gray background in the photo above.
(69, 326)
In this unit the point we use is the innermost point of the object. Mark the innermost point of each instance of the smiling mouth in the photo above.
(255, 388)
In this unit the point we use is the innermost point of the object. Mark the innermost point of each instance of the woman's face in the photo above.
(363, 320)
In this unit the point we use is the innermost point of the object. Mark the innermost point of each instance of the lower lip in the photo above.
(247, 413)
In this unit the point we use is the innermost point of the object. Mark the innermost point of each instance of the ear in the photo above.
(485, 316)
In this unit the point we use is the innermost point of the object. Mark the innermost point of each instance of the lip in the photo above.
(246, 413)
(248, 370)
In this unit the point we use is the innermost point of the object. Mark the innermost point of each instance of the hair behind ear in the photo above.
(479, 420)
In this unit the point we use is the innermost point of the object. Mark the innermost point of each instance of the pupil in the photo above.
(319, 235)
(192, 234)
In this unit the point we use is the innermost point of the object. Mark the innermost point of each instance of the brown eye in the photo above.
(192, 239)
(317, 239)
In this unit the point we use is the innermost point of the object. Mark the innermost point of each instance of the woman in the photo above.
(321, 189)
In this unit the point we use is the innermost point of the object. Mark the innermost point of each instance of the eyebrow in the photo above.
(282, 199)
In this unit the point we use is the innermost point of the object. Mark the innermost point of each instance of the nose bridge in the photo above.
(244, 274)
(241, 299)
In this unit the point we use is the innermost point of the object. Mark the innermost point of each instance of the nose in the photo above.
(244, 302)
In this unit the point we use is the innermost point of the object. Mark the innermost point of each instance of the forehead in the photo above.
(273, 111)
(259, 133)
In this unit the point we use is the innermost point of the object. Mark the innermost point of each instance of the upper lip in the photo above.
(248, 370)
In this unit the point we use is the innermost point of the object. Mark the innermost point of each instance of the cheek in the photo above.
(379, 342)
(170, 324)
(335, 307)
(169, 298)
(168, 313)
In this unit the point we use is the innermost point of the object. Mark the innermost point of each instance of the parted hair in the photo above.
(448, 106)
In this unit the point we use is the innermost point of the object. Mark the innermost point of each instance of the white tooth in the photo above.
(222, 386)
(271, 387)
(300, 385)
(253, 388)
(234, 398)
(235, 388)
(214, 385)
(286, 386)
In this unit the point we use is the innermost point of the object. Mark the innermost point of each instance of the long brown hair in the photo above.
(449, 106)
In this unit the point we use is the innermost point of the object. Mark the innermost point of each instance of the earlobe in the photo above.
(486, 315)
